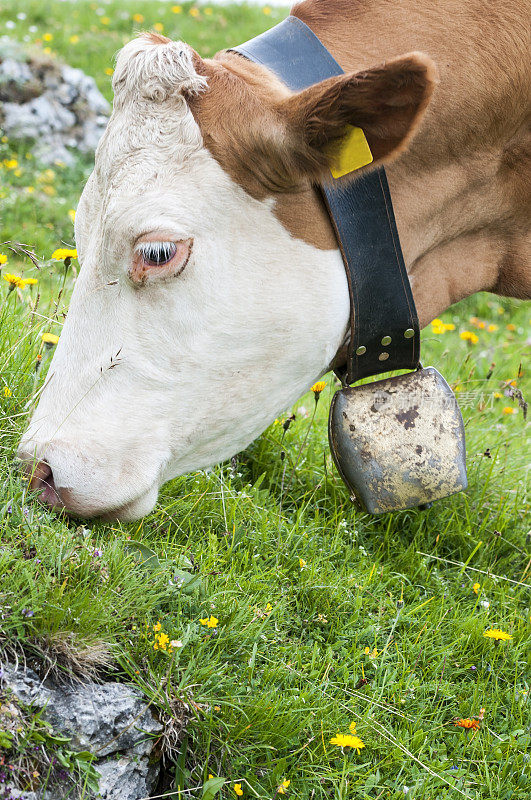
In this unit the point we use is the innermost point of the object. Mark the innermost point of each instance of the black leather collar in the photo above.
(384, 333)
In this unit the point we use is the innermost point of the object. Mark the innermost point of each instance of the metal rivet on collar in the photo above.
(386, 340)
(361, 350)
(383, 356)
(409, 333)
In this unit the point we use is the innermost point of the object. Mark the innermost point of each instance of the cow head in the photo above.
(198, 315)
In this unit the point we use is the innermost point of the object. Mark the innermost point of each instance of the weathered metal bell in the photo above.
(399, 442)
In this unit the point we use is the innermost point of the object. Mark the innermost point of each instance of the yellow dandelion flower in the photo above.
(207, 11)
(138, 18)
(30, 189)
(30, 281)
(476, 587)
(347, 740)
(302, 563)
(47, 50)
(238, 789)
(497, 395)
(496, 634)
(511, 327)
(105, 21)
(14, 280)
(437, 325)
(491, 328)
(177, 9)
(47, 37)
(509, 410)
(10, 163)
(72, 214)
(469, 336)
(157, 626)
(194, 12)
(49, 339)
(7, 391)
(3, 258)
(109, 71)
(74, 39)
(210, 622)
(266, 10)
(158, 27)
(318, 387)
(62, 253)
(49, 190)
(163, 640)
(283, 786)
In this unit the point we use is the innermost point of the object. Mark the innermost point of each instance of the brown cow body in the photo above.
(462, 191)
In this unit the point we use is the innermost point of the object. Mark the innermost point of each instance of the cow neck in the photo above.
(384, 326)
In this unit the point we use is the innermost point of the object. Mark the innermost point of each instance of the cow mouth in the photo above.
(134, 509)
(64, 499)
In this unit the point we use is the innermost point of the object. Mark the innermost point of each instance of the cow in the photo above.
(212, 293)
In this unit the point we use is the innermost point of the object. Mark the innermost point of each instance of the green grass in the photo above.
(266, 689)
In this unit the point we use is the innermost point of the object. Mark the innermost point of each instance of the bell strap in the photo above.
(384, 327)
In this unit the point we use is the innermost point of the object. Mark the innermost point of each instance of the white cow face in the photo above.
(196, 317)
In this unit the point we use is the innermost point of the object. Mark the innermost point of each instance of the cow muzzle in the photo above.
(84, 487)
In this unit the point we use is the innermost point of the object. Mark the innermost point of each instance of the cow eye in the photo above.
(157, 253)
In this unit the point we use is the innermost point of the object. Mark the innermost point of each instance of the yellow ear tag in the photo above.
(355, 153)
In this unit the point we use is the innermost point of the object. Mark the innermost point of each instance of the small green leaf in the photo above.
(143, 554)
(186, 582)
(212, 787)
(84, 755)
(183, 562)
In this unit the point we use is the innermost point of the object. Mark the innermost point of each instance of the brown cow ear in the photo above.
(387, 102)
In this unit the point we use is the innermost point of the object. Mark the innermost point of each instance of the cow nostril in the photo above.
(41, 479)
(39, 474)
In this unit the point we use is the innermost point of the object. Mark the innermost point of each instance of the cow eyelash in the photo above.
(157, 253)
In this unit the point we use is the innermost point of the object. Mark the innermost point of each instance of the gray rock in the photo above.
(66, 93)
(126, 779)
(17, 82)
(93, 130)
(16, 71)
(16, 794)
(109, 720)
(40, 116)
(57, 105)
(25, 685)
(101, 718)
(50, 149)
(85, 86)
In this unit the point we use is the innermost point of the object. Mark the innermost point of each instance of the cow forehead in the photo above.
(151, 122)
(144, 141)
